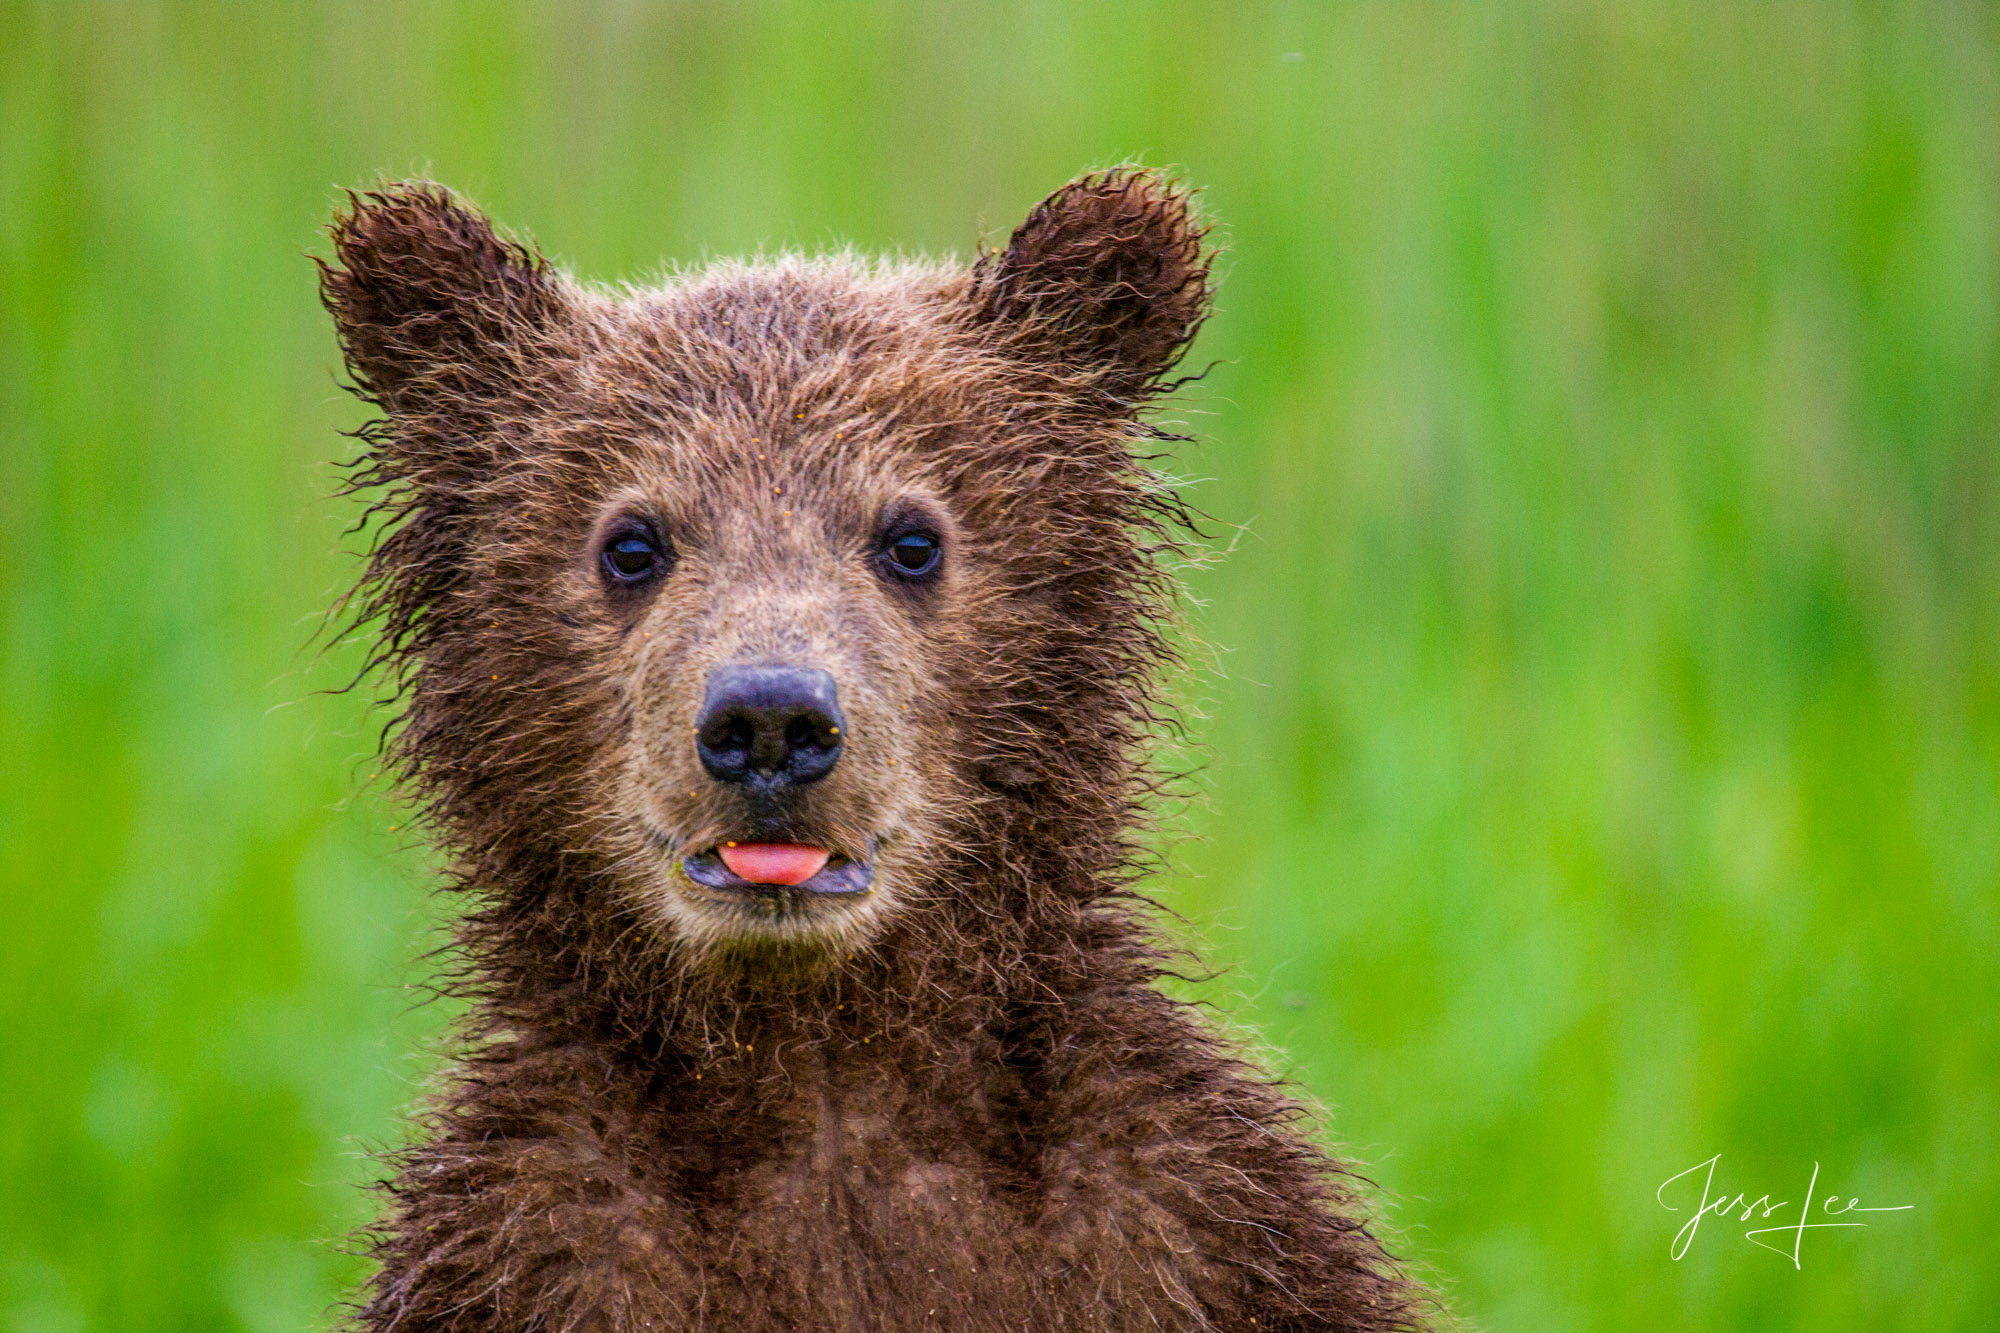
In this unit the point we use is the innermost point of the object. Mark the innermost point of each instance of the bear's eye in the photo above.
(631, 556)
(914, 554)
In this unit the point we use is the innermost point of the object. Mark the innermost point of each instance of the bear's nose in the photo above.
(764, 727)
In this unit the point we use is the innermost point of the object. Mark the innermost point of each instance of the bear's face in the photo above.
(755, 595)
(776, 585)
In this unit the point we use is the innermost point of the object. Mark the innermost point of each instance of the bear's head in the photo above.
(785, 598)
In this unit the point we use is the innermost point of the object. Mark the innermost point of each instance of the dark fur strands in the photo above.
(958, 1100)
(1107, 276)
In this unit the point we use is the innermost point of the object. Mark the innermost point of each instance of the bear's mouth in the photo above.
(840, 875)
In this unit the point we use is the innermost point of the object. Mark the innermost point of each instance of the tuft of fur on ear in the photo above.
(428, 299)
(1107, 281)
(455, 333)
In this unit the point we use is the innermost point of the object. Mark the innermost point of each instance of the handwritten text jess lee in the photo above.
(1763, 1207)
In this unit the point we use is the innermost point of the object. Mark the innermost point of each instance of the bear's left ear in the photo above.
(1107, 282)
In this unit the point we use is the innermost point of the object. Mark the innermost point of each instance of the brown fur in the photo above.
(962, 1102)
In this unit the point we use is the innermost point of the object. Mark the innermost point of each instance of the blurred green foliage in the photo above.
(1606, 735)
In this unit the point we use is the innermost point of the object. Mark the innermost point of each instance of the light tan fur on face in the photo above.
(774, 516)
(796, 586)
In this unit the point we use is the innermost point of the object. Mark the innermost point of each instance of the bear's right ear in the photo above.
(430, 303)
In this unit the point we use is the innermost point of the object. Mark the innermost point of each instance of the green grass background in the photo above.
(1606, 730)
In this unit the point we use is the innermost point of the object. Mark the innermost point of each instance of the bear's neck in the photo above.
(981, 958)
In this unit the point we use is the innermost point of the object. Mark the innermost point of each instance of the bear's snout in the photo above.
(767, 727)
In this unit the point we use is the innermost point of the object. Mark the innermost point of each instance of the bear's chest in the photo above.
(883, 1222)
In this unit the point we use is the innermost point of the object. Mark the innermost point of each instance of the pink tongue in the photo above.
(773, 862)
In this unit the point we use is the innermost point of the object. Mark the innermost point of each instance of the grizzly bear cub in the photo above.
(776, 651)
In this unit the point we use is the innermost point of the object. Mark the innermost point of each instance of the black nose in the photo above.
(769, 726)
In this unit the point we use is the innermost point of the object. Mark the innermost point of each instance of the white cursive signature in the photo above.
(1763, 1207)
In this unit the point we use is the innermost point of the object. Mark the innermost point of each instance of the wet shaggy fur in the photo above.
(958, 1101)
